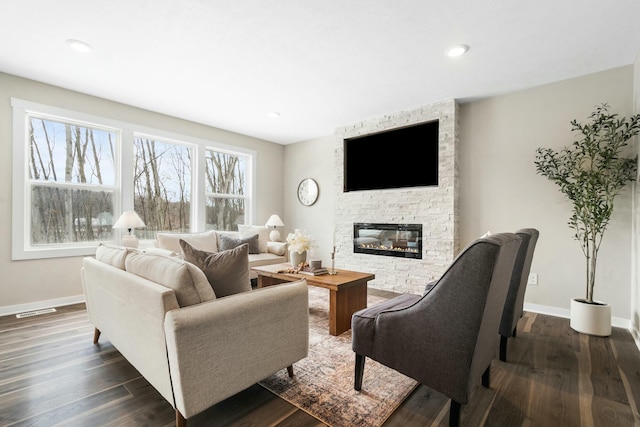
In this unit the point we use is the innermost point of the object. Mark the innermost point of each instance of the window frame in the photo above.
(21, 248)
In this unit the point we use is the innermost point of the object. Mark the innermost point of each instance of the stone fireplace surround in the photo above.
(436, 208)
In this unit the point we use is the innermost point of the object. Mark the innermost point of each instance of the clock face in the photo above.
(308, 191)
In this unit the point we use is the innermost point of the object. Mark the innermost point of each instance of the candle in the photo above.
(333, 239)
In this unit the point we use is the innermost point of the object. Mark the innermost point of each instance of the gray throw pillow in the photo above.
(227, 271)
(229, 242)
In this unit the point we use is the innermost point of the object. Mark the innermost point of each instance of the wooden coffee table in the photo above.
(347, 291)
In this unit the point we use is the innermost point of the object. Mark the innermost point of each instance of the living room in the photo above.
(499, 189)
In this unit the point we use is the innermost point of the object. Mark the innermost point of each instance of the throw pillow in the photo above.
(227, 271)
(260, 230)
(229, 242)
(277, 248)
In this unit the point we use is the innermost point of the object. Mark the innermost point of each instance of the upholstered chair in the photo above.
(513, 307)
(447, 337)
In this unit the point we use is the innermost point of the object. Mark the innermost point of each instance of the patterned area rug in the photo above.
(323, 381)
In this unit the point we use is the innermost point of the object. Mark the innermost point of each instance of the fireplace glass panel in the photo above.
(399, 240)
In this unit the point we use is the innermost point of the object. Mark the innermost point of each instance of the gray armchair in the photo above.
(513, 307)
(446, 338)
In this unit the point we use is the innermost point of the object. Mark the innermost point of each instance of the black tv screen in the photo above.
(398, 158)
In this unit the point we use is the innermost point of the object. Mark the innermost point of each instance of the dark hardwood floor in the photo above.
(52, 375)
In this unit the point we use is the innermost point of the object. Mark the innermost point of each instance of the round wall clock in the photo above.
(308, 191)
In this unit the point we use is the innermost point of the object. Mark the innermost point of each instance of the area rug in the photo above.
(323, 381)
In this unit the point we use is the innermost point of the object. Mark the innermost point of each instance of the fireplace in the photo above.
(398, 240)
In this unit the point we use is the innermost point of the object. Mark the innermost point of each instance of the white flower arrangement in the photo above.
(299, 241)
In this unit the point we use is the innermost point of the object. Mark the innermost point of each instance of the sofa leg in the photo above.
(454, 414)
(290, 371)
(359, 372)
(96, 335)
(180, 420)
(503, 348)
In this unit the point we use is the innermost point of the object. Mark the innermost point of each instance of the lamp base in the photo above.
(274, 236)
(130, 241)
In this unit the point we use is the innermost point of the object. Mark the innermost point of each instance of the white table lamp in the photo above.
(129, 220)
(274, 221)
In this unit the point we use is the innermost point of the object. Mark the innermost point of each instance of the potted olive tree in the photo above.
(591, 172)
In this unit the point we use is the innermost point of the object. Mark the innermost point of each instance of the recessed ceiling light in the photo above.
(274, 114)
(457, 50)
(79, 45)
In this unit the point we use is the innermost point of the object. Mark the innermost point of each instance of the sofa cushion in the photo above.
(229, 242)
(187, 281)
(205, 241)
(262, 231)
(113, 255)
(227, 271)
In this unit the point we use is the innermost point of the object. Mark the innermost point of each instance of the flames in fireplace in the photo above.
(400, 240)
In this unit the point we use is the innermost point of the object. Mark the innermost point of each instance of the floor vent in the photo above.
(35, 313)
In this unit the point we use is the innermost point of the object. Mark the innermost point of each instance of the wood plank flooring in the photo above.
(51, 374)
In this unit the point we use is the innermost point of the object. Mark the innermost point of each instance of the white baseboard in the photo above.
(617, 322)
(39, 305)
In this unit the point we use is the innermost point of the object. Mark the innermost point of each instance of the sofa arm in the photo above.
(218, 348)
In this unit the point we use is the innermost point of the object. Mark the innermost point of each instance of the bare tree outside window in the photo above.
(225, 190)
(162, 186)
(71, 181)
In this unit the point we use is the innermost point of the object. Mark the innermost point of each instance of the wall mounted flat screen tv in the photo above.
(397, 158)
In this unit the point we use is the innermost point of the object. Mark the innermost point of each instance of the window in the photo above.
(74, 174)
(162, 185)
(71, 181)
(226, 187)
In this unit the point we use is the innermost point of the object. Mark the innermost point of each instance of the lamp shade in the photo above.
(129, 220)
(274, 221)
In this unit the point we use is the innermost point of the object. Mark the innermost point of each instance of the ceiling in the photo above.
(320, 64)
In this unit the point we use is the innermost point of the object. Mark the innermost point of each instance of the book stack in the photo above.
(313, 271)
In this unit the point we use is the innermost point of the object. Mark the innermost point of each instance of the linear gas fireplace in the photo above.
(399, 240)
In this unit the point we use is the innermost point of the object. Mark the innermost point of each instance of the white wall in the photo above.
(500, 190)
(25, 284)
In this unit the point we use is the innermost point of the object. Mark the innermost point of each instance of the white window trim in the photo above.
(20, 247)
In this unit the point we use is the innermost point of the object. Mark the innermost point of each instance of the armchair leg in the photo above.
(359, 372)
(290, 371)
(503, 348)
(180, 420)
(486, 377)
(96, 335)
(454, 414)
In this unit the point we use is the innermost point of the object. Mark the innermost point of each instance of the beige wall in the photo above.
(25, 283)
(635, 253)
(500, 190)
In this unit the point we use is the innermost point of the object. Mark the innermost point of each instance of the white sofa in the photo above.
(163, 316)
(211, 241)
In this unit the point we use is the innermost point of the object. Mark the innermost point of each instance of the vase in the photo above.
(297, 258)
(590, 319)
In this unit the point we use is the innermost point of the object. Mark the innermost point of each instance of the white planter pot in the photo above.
(591, 319)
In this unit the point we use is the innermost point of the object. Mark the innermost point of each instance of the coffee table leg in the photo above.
(342, 305)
